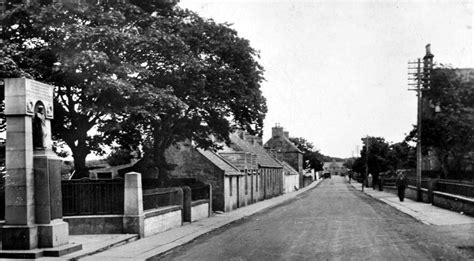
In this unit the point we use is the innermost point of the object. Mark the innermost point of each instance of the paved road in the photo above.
(332, 221)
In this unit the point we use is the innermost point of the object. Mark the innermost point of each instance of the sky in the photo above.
(336, 71)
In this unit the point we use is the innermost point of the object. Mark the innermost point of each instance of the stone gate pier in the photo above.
(33, 201)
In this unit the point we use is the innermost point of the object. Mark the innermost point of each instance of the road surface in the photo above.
(331, 222)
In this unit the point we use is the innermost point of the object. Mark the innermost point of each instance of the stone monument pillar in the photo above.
(33, 200)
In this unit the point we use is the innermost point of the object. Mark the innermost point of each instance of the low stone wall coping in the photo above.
(414, 187)
(92, 216)
(456, 197)
(199, 202)
(162, 211)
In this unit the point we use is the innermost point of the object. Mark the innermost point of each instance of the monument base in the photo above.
(41, 252)
(17, 237)
(54, 234)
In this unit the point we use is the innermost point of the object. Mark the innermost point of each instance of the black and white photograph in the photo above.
(239, 130)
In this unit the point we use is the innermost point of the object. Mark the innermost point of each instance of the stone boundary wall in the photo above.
(199, 210)
(454, 202)
(162, 219)
(137, 221)
(410, 192)
(440, 199)
(97, 224)
(155, 221)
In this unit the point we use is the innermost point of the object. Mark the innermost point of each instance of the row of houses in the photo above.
(244, 171)
(241, 173)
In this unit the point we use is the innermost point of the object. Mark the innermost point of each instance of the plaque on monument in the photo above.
(22, 99)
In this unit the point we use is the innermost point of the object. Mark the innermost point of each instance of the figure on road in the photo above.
(401, 183)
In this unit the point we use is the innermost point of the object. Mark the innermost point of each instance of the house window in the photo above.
(230, 186)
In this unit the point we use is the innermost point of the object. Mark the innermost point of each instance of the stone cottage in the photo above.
(208, 167)
(241, 173)
(269, 177)
(286, 150)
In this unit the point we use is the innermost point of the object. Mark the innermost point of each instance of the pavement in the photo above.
(151, 246)
(127, 247)
(423, 212)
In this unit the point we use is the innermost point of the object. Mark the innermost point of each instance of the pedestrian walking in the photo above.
(401, 183)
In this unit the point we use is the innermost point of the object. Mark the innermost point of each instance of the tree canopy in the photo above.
(379, 156)
(374, 156)
(450, 131)
(312, 158)
(138, 74)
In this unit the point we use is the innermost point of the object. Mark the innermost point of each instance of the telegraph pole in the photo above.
(366, 161)
(422, 82)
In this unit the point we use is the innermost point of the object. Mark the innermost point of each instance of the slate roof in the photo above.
(287, 167)
(280, 141)
(220, 162)
(263, 158)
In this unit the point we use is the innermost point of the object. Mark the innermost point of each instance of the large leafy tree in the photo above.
(312, 158)
(145, 73)
(379, 156)
(450, 131)
(402, 156)
(202, 90)
(374, 156)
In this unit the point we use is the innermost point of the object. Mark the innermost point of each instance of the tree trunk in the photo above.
(161, 165)
(159, 148)
(79, 154)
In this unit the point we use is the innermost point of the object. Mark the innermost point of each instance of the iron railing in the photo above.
(198, 193)
(162, 197)
(92, 197)
(199, 190)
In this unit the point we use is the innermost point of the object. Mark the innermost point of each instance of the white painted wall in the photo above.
(160, 223)
(290, 182)
(230, 200)
(199, 212)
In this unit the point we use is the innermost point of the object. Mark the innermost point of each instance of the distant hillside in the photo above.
(329, 158)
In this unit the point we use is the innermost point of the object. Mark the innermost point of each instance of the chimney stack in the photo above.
(428, 49)
(277, 131)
